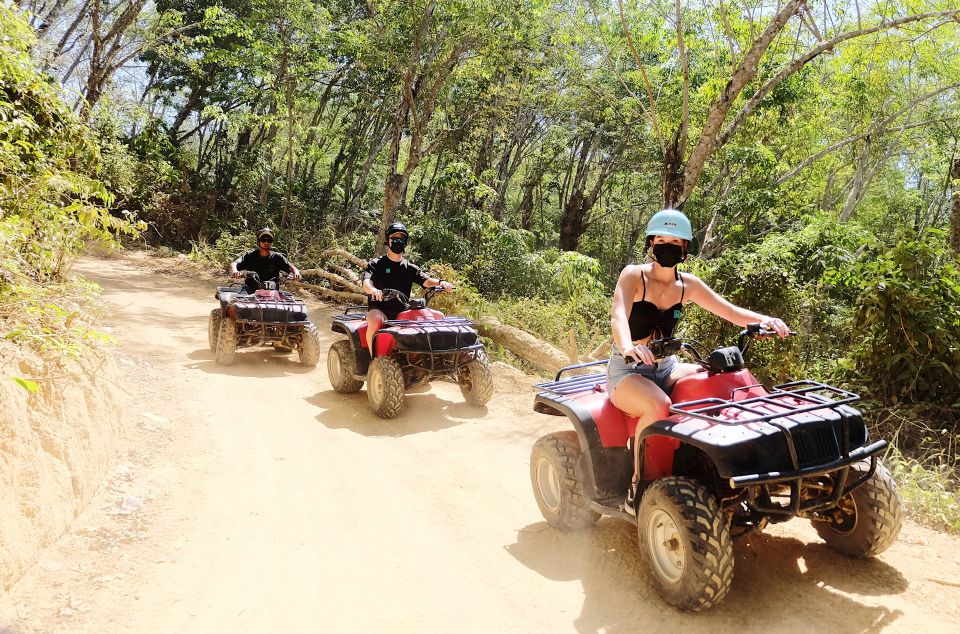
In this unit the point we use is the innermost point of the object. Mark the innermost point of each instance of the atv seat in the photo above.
(228, 293)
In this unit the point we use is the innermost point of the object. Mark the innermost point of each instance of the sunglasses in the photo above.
(266, 239)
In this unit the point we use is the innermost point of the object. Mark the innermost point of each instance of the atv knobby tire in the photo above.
(341, 366)
(686, 543)
(869, 518)
(385, 387)
(476, 380)
(213, 328)
(309, 348)
(558, 483)
(227, 342)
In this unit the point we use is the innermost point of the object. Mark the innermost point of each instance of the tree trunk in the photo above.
(672, 177)
(955, 205)
(572, 222)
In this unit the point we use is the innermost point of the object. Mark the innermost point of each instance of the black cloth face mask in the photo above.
(668, 255)
(397, 245)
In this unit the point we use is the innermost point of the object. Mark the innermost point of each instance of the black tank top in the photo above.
(647, 319)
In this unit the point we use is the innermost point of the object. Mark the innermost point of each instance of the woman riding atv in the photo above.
(647, 304)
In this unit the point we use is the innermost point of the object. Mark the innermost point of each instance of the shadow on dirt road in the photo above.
(780, 584)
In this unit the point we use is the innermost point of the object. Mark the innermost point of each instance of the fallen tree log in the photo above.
(335, 279)
(343, 297)
(346, 255)
(521, 343)
(344, 272)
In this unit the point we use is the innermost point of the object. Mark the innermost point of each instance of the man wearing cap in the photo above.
(392, 271)
(263, 261)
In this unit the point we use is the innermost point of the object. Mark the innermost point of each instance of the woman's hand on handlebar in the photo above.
(237, 275)
(376, 294)
(774, 325)
(641, 354)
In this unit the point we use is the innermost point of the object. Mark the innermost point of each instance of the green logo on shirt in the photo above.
(676, 314)
(388, 270)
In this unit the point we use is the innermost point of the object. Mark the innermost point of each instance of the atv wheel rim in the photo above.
(548, 484)
(334, 368)
(844, 519)
(376, 386)
(666, 546)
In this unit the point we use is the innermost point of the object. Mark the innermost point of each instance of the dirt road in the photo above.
(256, 499)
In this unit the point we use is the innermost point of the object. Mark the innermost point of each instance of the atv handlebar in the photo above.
(391, 293)
(253, 275)
(755, 331)
(673, 345)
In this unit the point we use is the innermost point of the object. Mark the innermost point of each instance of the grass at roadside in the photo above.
(929, 490)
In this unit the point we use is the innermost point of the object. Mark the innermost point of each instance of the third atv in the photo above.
(420, 345)
(731, 456)
(266, 317)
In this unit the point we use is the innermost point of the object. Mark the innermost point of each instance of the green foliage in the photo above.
(30, 386)
(225, 249)
(50, 199)
(906, 336)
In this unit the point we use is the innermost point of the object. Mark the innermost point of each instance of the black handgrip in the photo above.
(665, 347)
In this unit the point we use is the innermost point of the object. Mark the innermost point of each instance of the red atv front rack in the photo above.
(783, 401)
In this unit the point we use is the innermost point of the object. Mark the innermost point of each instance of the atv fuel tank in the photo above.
(724, 385)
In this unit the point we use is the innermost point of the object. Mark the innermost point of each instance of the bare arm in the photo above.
(701, 294)
(620, 312)
(372, 290)
(232, 267)
(432, 282)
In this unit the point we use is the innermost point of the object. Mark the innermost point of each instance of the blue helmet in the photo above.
(671, 223)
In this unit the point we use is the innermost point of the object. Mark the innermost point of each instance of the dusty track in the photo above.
(256, 499)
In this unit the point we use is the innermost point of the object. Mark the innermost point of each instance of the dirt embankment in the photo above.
(55, 447)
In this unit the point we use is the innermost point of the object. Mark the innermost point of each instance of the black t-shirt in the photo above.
(385, 273)
(268, 267)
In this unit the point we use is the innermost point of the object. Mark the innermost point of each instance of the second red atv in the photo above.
(731, 456)
(420, 345)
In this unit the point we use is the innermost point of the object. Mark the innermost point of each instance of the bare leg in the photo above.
(375, 319)
(640, 397)
(682, 370)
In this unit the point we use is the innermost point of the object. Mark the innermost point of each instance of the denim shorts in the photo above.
(659, 372)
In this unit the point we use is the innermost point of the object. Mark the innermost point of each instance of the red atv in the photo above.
(421, 344)
(267, 317)
(732, 456)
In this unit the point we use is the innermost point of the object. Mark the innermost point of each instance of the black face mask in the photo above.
(668, 255)
(397, 245)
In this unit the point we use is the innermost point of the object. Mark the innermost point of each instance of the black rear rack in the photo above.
(574, 384)
(811, 395)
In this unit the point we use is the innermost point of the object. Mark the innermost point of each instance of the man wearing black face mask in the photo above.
(647, 304)
(392, 271)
